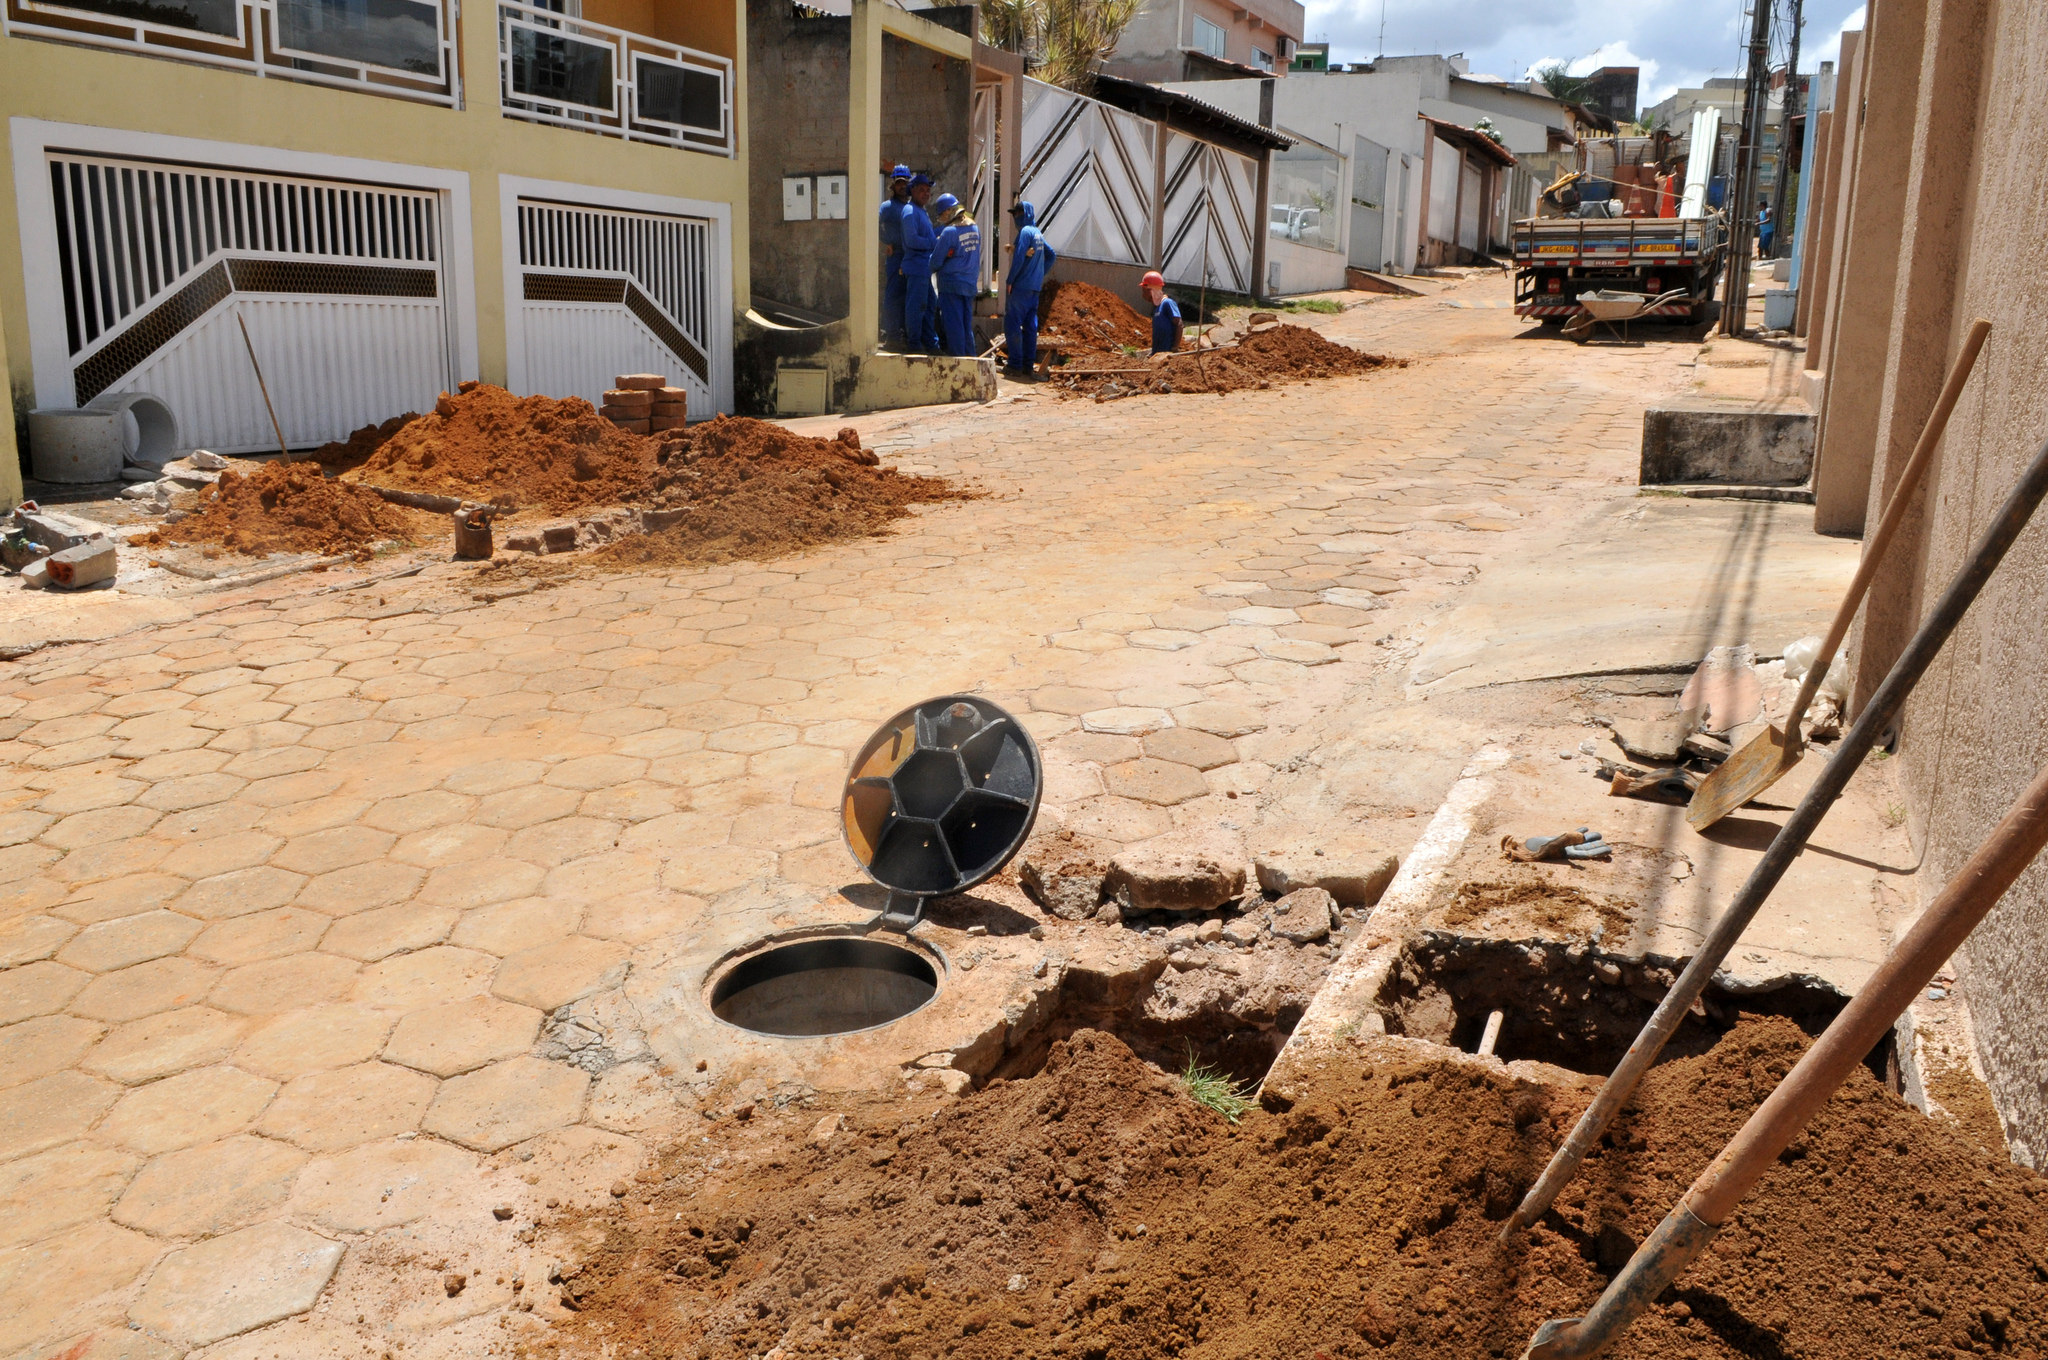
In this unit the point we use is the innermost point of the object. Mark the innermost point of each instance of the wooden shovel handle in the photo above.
(1894, 513)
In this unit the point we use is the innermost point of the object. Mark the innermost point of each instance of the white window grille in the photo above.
(556, 68)
(404, 48)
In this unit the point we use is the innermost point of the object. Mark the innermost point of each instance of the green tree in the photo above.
(1065, 42)
(1562, 84)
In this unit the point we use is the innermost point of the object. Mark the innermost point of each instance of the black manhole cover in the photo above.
(829, 986)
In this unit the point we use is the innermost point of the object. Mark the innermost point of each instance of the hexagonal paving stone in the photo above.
(1154, 781)
(429, 977)
(478, 884)
(456, 844)
(361, 887)
(378, 934)
(61, 1188)
(145, 989)
(51, 1110)
(507, 1103)
(221, 854)
(46, 1044)
(528, 805)
(336, 848)
(38, 989)
(230, 1285)
(555, 974)
(241, 892)
(275, 986)
(159, 1045)
(316, 1039)
(25, 939)
(461, 1036)
(1189, 746)
(46, 1282)
(1127, 721)
(204, 1190)
(264, 935)
(1221, 718)
(507, 927)
(382, 1185)
(1299, 651)
(192, 1107)
(110, 945)
(329, 1111)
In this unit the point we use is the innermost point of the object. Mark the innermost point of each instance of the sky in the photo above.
(1675, 42)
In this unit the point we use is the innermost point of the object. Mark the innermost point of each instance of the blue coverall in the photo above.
(959, 277)
(920, 310)
(892, 277)
(1028, 265)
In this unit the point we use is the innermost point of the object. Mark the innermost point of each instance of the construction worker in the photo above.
(1766, 229)
(1166, 323)
(920, 239)
(957, 270)
(1030, 258)
(892, 252)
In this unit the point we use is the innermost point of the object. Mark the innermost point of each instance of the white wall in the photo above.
(1331, 109)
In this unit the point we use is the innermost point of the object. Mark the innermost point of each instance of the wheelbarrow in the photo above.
(1609, 309)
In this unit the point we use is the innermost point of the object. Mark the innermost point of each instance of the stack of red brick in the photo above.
(645, 404)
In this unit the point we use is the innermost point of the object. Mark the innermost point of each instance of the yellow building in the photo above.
(391, 195)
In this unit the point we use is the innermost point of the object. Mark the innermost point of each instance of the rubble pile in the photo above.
(1080, 318)
(287, 507)
(1094, 1209)
(734, 487)
(516, 453)
(1267, 355)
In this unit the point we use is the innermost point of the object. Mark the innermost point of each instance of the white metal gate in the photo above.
(1211, 212)
(1368, 204)
(608, 291)
(340, 284)
(983, 152)
(1087, 169)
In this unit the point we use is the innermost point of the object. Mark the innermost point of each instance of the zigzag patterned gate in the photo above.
(1088, 170)
(1211, 212)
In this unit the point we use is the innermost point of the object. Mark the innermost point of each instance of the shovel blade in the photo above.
(1761, 762)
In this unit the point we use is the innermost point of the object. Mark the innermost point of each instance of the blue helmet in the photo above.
(945, 203)
(900, 172)
(921, 178)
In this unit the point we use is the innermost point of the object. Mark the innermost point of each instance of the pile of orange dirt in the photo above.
(736, 488)
(517, 453)
(1278, 354)
(343, 454)
(288, 508)
(1080, 318)
(1092, 1210)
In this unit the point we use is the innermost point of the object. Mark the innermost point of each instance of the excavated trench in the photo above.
(1574, 1006)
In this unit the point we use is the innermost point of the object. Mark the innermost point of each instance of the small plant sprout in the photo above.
(1206, 1085)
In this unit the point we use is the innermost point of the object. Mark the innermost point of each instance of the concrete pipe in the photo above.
(149, 427)
(77, 446)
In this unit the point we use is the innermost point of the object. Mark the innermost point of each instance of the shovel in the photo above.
(1766, 757)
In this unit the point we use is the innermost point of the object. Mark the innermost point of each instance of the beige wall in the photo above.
(60, 82)
(1972, 241)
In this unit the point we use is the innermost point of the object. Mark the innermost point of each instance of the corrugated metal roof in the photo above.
(1124, 93)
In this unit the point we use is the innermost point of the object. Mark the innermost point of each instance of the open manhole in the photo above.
(836, 985)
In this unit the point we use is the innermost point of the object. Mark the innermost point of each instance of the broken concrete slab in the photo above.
(1064, 873)
(1173, 877)
(1304, 916)
(29, 623)
(1700, 439)
(1659, 740)
(1353, 872)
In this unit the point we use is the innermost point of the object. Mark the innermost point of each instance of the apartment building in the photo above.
(390, 195)
(1209, 40)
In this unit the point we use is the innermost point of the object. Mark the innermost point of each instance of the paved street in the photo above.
(296, 891)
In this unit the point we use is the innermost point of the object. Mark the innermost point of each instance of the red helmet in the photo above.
(1153, 279)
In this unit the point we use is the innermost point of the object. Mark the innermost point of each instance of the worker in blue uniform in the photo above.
(1030, 258)
(920, 239)
(956, 266)
(892, 257)
(1166, 322)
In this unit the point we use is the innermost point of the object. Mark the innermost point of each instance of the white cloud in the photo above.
(1831, 50)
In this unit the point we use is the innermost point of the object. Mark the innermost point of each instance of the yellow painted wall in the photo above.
(61, 82)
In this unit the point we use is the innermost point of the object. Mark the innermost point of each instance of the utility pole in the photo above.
(1742, 189)
(1779, 192)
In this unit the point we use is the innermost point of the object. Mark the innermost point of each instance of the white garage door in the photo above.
(341, 286)
(607, 291)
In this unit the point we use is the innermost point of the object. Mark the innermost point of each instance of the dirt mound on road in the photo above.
(1263, 358)
(287, 507)
(519, 453)
(1080, 317)
(343, 454)
(743, 488)
(1093, 1211)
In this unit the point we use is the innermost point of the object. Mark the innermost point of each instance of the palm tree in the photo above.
(1562, 84)
(1065, 41)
